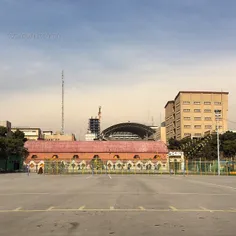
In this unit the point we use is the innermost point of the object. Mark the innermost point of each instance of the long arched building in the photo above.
(83, 152)
(137, 147)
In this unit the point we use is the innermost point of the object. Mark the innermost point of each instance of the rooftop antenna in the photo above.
(100, 113)
(62, 103)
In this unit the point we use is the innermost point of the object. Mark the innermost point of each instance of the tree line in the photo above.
(206, 147)
(12, 144)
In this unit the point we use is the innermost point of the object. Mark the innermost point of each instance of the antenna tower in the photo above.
(62, 103)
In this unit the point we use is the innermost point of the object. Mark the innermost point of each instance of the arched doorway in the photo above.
(96, 163)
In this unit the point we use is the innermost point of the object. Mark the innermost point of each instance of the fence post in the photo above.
(187, 166)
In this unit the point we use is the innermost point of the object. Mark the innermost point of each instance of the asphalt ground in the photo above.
(117, 205)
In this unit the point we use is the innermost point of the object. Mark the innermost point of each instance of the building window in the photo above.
(187, 118)
(208, 127)
(197, 110)
(217, 103)
(207, 103)
(197, 118)
(208, 118)
(187, 126)
(186, 102)
(197, 134)
(197, 126)
(186, 110)
(187, 134)
(207, 110)
(197, 103)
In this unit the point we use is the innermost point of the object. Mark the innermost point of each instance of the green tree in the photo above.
(12, 145)
(3, 131)
(18, 135)
(174, 144)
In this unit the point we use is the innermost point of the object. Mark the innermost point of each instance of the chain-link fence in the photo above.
(210, 167)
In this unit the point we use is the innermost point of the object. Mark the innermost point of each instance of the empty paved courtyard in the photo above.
(117, 205)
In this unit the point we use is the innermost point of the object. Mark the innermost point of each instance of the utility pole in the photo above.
(217, 117)
(62, 103)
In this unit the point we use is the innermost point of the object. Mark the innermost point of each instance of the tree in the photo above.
(174, 144)
(3, 131)
(206, 147)
(12, 145)
(18, 135)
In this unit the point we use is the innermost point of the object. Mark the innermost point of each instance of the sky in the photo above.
(128, 56)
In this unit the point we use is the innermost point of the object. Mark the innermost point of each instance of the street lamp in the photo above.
(217, 117)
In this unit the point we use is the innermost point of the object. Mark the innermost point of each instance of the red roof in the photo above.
(42, 146)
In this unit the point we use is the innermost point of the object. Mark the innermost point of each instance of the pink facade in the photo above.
(106, 150)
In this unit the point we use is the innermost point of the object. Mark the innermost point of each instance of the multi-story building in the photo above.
(90, 136)
(169, 119)
(30, 133)
(47, 132)
(6, 124)
(192, 113)
(161, 132)
(94, 125)
(48, 135)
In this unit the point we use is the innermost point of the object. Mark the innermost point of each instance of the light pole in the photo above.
(217, 116)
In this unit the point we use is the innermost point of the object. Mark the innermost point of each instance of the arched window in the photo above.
(75, 157)
(116, 157)
(34, 156)
(157, 157)
(54, 156)
(136, 157)
(96, 157)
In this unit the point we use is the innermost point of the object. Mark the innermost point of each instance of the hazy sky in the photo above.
(129, 56)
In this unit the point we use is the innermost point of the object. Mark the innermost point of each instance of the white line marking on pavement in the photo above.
(82, 207)
(112, 208)
(17, 209)
(88, 177)
(173, 208)
(109, 176)
(50, 208)
(9, 194)
(141, 208)
(205, 209)
(120, 210)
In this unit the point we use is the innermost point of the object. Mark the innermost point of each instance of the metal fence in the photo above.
(210, 167)
(189, 167)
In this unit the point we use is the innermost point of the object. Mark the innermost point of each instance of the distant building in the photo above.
(128, 131)
(47, 132)
(30, 133)
(6, 124)
(49, 136)
(94, 126)
(90, 136)
(192, 114)
(161, 132)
